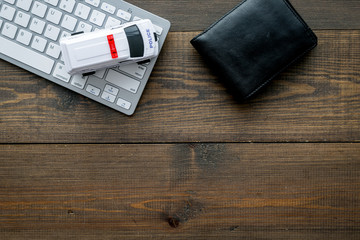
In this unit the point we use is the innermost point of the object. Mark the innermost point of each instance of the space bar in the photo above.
(26, 56)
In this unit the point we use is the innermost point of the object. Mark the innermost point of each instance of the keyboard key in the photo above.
(10, 1)
(93, 90)
(39, 9)
(22, 19)
(9, 30)
(52, 2)
(54, 16)
(24, 37)
(26, 56)
(95, 3)
(123, 103)
(53, 50)
(112, 22)
(108, 8)
(97, 17)
(108, 97)
(82, 11)
(100, 73)
(124, 15)
(37, 25)
(7, 12)
(110, 89)
(39, 43)
(24, 4)
(64, 34)
(83, 27)
(67, 5)
(158, 30)
(1, 22)
(69, 22)
(79, 81)
(122, 81)
(52, 32)
(60, 73)
(134, 70)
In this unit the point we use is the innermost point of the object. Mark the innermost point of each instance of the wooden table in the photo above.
(192, 163)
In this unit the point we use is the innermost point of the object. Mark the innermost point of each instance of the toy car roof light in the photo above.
(128, 43)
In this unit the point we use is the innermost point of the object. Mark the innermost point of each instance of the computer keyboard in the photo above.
(30, 31)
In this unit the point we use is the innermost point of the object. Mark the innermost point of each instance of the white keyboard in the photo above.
(30, 31)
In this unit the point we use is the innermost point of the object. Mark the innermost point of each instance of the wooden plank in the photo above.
(187, 16)
(180, 191)
(317, 99)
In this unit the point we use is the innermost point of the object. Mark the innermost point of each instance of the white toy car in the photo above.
(128, 43)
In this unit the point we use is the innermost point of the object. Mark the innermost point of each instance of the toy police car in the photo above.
(128, 43)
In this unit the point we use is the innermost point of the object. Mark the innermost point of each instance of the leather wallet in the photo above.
(253, 43)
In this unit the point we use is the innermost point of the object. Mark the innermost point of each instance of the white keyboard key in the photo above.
(83, 27)
(158, 30)
(97, 17)
(135, 70)
(67, 5)
(22, 19)
(24, 4)
(100, 73)
(39, 43)
(95, 3)
(26, 56)
(60, 73)
(123, 103)
(110, 89)
(39, 9)
(108, 8)
(7, 12)
(122, 81)
(124, 15)
(52, 32)
(112, 22)
(1, 22)
(82, 11)
(9, 30)
(52, 2)
(108, 97)
(24, 37)
(69, 22)
(93, 90)
(37, 25)
(79, 81)
(10, 1)
(54, 16)
(64, 34)
(53, 50)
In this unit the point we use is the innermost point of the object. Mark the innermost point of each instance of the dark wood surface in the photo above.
(191, 163)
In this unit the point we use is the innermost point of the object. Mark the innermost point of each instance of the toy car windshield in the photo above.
(135, 41)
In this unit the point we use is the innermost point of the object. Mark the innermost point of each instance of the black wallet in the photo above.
(253, 43)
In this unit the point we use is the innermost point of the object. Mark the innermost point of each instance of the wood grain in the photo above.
(192, 163)
(130, 191)
(191, 16)
(317, 99)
